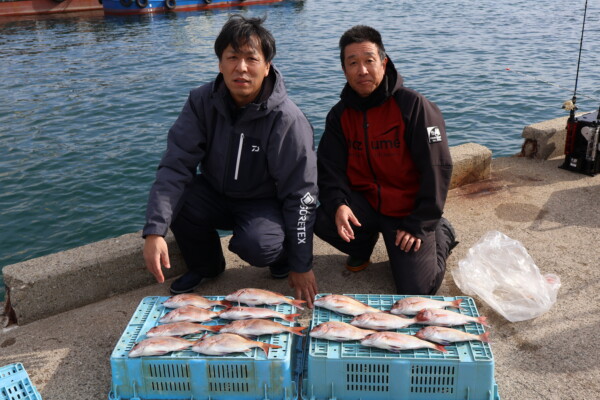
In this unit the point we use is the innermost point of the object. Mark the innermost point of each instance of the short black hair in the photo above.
(238, 31)
(360, 34)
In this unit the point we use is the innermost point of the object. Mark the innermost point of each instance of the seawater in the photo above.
(86, 99)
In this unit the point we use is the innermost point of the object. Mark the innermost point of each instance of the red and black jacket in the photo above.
(390, 146)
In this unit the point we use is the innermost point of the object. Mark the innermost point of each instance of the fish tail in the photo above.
(482, 320)
(440, 348)
(267, 346)
(226, 303)
(456, 303)
(297, 330)
(485, 337)
(291, 317)
(299, 304)
(214, 328)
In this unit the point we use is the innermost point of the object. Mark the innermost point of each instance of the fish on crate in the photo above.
(255, 297)
(339, 331)
(441, 317)
(181, 329)
(344, 305)
(255, 312)
(226, 343)
(191, 299)
(258, 327)
(412, 305)
(396, 341)
(157, 346)
(382, 321)
(446, 336)
(189, 314)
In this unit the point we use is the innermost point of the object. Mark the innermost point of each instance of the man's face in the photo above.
(363, 67)
(244, 71)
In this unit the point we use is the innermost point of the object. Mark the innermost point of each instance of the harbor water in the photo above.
(86, 99)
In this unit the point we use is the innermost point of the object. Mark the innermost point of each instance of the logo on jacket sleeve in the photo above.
(307, 199)
(434, 134)
(306, 203)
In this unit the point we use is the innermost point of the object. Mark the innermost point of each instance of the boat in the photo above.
(128, 7)
(11, 8)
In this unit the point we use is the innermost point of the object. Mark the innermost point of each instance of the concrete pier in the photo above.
(72, 307)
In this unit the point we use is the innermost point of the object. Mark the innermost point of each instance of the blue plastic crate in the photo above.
(15, 384)
(348, 370)
(189, 375)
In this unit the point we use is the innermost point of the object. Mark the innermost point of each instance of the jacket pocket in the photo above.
(249, 165)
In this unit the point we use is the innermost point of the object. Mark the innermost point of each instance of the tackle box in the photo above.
(350, 371)
(189, 375)
(15, 384)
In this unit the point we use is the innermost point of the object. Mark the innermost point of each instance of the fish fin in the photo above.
(291, 317)
(443, 342)
(214, 328)
(226, 303)
(297, 330)
(441, 348)
(483, 321)
(485, 337)
(299, 304)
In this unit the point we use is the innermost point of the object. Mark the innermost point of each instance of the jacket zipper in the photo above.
(239, 156)
(366, 132)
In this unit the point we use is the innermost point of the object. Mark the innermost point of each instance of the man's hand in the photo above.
(304, 285)
(343, 217)
(156, 252)
(406, 241)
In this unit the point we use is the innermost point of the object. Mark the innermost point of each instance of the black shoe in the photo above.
(186, 283)
(356, 264)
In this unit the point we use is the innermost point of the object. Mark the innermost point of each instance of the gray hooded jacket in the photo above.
(265, 150)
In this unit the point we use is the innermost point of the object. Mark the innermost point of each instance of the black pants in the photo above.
(420, 272)
(257, 225)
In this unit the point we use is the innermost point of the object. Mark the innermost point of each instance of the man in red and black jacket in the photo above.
(384, 167)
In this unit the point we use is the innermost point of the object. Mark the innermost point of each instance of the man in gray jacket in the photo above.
(239, 157)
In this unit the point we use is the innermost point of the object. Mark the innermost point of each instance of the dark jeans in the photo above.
(418, 272)
(257, 225)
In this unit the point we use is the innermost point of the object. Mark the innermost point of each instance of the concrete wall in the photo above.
(545, 140)
(58, 282)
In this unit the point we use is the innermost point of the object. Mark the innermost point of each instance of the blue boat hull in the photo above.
(127, 7)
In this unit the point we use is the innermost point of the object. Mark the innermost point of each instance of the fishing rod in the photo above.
(569, 105)
(574, 100)
(582, 152)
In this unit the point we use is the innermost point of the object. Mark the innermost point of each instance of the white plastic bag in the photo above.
(499, 270)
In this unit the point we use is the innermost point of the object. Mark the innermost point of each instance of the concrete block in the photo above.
(472, 163)
(48, 285)
(545, 140)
